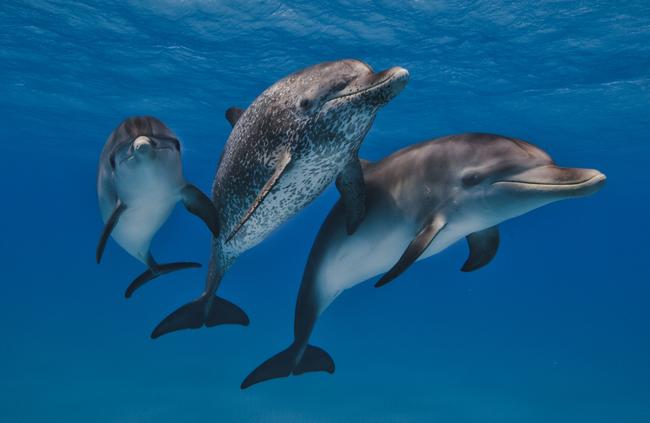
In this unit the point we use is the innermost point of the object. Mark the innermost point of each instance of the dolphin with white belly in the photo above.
(295, 139)
(139, 181)
(419, 201)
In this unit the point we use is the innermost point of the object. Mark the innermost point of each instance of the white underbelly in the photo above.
(149, 190)
(369, 253)
(361, 258)
(139, 223)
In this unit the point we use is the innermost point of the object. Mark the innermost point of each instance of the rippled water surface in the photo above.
(555, 329)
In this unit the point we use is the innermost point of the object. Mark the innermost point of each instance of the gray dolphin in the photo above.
(295, 139)
(420, 200)
(139, 181)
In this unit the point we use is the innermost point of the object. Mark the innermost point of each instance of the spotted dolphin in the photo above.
(420, 200)
(139, 181)
(297, 137)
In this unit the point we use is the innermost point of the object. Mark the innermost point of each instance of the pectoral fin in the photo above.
(200, 205)
(233, 114)
(153, 272)
(414, 249)
(353, 194)
(108, 228)
(280, 168)
(483, 247)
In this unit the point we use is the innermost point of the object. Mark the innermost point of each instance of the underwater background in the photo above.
(555, 329)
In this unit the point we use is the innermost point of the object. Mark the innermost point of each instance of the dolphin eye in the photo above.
(305, 104)
(112, 161)
(339, 86)
(472, 179)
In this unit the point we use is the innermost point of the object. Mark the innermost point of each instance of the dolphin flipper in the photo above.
(154, 272)
(414, 249)
(483, 247)
(200, 205)
(280, 168)
(314, 359)
(193, 316)
(353, 193)
(233, 114)
(108, 228)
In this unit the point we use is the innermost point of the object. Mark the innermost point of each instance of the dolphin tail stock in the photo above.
(157, 270)
(291, 361)
(208, 310)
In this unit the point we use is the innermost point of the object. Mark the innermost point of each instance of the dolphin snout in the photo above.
(398, 73)
(555, 180)
(388, 84)
(397, 76)
(597, 180)
(142, 144)
(583, 181)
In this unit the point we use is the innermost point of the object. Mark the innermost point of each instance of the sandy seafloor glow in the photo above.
(556, 329)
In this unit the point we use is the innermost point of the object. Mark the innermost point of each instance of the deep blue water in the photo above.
(555, 329)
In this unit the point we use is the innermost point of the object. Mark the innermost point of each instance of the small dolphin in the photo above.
(420, 200)
(139, 181)
(295, 139)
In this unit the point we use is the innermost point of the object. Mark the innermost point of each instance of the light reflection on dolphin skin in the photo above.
(139, 181)
(419, 201)
(295, 139)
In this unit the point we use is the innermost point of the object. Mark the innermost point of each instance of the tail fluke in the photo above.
(223, 312)
(193, 315)
(314, 360)
(289, 362)
(189, 316)
(280, 365)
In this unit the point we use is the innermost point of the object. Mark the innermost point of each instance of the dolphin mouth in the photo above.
(135, 154)
(569, 181)
(396, 76)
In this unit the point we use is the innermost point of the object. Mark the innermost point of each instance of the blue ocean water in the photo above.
(555, 329)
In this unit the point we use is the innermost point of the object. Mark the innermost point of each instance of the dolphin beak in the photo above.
(379, 87)
(556, 181)
(142, 145)
(395, 79)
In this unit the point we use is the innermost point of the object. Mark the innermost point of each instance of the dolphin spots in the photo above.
(295, 139)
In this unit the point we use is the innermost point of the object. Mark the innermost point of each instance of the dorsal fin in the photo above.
(233, 114)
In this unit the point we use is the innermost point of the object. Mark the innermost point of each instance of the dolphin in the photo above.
(420, 200)
(139, 181)
(297, 137)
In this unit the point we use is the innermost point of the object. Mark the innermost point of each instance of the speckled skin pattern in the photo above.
(320, 116)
